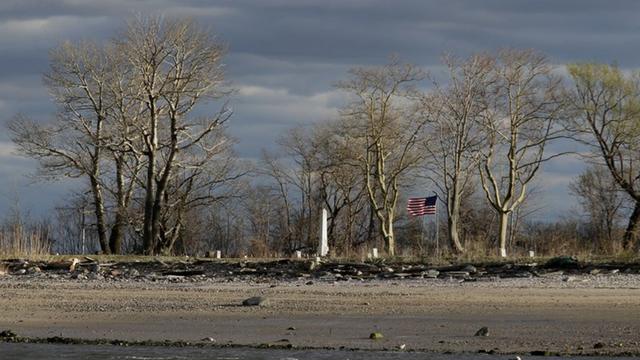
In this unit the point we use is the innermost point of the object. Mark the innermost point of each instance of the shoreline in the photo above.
(577, 311)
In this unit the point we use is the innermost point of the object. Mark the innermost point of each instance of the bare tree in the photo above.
(177, 65)
(525, 105)
(73, 144)
(608, 111)
(602, 199)
(452, 136)
(383, 123)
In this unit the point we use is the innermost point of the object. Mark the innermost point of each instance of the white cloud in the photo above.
(281, 103)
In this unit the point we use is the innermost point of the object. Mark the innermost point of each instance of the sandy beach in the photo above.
(585, 315)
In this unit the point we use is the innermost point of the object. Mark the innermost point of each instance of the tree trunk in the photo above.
(148, 240)
(504, 223)
(115, 239)
(631, 234)
(390, 237)
(99, 212)
(453, 219)
(454, 238)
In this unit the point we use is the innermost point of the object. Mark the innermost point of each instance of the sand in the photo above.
(522, 315)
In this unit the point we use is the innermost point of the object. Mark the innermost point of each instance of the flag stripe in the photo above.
(422, 206)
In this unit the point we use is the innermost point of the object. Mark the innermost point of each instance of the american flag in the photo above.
(422, 206)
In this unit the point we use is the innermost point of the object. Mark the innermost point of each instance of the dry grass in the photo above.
(18, 241)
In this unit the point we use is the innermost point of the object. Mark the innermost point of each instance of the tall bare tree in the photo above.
(608, 120)
(177, 65)
(452, 136)
(526, 103)
(73, 144)
(383, 123)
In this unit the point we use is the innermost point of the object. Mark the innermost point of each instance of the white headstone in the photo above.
(298, 254)
(374, 253)
(218, 254)
(532, 253)
(323, 250)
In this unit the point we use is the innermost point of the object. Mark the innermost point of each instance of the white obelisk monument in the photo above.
(323, 250)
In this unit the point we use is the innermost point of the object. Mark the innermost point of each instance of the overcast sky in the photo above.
(285, 55)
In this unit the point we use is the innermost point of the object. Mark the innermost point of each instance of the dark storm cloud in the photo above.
(285, 55)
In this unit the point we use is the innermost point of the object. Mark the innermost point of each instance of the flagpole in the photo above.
(437, 237)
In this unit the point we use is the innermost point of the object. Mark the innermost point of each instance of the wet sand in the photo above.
(522, 315)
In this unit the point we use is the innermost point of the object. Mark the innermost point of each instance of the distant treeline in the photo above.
(160, 179)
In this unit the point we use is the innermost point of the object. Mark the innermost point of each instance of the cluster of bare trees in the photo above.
(126, 126)
(485, 132)
(141, 124)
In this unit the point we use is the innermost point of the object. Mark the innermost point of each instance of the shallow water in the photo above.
(103, 352)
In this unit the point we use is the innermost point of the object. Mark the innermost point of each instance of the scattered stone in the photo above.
(402, 346)
(255, 301)
(569, 279)
(431, 274)
(94, 268)
(20, 272)
(540, 353)
(598, 345)
(376, 336)
(457, 274)
(7, 334)
(309, 282)
(594, 272)
(563, 262)
(115, 272)
(470, 269)
(483, 331)
(291, 328)
(208, 339)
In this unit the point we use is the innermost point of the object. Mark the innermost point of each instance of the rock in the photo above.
(291, 328)
(402, 346)
(309, 282)
(94, 268)
(208, 339)
(78, 276)
(134, 273)
(568, 279)
(457, 274)
(483, 331)
(540, 353)
(515, 358)
(7, 334)
(563, 262)
(470, 269)
(376, 336)
(33, 270)
(115, 272)
(255, 301)
(20, 272)
(598, 345)
(432, 274)
(594, 272)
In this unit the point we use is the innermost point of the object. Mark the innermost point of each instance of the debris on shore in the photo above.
(195, 269)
